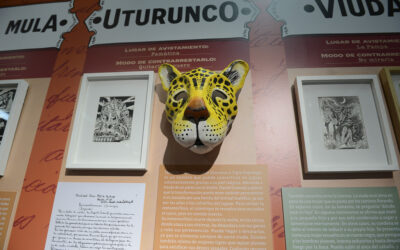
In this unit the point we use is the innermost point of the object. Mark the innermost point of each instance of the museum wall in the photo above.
(76, 42)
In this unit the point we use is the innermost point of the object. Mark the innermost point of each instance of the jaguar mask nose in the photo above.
(196, 111)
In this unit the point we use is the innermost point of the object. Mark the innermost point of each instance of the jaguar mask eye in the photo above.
(218, 93)
(201, 103)
(182, 95)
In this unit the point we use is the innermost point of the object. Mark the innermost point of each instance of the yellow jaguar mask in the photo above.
(201, 104)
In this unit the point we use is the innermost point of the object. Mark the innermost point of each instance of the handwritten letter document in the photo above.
(96, 216)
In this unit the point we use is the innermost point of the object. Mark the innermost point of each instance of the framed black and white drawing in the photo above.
(343, 124)
(12, 97)
(112, 122)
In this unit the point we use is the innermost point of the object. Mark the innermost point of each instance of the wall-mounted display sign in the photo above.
(336, 17)
(123, 21)
(35, 26)
(341, 218)
(225, 208)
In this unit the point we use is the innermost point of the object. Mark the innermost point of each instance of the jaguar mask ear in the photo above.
(167, 73)
(236, 72)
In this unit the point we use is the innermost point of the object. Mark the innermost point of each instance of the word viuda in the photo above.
(227, 11)
(357, 8)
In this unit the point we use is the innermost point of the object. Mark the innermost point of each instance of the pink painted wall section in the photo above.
(276, 138)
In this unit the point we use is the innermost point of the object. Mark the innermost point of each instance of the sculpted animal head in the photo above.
(202, 104)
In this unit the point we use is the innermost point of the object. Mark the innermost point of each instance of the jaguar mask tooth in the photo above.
(202, 104)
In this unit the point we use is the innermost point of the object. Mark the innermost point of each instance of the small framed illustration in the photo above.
(12, 97)
(390, 78)
(343, 124)
(112, 122)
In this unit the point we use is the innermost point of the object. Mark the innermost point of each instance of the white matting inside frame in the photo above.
(111, 126)
(355, 109)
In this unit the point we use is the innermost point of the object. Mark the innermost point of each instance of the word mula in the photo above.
(34, 25)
